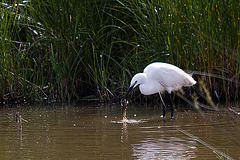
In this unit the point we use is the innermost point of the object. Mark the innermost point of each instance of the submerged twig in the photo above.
(206, 145)
(19, 118)
(232, 110)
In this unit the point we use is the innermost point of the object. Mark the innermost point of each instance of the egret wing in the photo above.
(169, 76)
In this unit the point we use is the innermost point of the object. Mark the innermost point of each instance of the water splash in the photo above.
(130, 121)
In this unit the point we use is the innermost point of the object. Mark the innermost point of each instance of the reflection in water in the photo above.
(124, 136)
(74, 132)
(165, 148)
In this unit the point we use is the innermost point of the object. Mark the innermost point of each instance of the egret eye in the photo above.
(134, 84)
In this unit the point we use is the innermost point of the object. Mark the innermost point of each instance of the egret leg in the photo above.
(172, 106)
(164, 106)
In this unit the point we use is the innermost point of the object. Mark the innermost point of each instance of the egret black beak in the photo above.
(129, 90)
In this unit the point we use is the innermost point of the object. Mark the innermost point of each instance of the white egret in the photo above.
(158, 77)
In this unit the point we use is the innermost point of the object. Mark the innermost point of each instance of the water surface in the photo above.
(98, 132)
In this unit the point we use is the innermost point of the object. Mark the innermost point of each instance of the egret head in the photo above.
(136, 80)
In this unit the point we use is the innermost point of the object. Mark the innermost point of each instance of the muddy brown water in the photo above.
(98, 132)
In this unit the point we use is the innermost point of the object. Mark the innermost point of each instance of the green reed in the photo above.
(200, 36)
(70, 50)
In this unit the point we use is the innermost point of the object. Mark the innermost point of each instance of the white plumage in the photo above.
(158, 77)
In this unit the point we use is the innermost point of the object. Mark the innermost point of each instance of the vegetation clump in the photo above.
(60, 51)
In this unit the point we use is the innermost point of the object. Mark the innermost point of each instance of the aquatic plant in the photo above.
(74, 50)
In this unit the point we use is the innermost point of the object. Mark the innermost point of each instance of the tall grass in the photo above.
(72, 50)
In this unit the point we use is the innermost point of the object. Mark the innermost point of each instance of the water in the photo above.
(98, 132)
